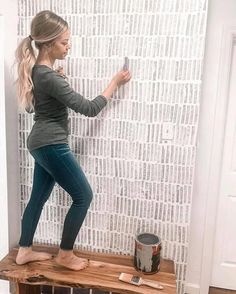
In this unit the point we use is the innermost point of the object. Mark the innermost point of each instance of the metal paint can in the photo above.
(147, 253)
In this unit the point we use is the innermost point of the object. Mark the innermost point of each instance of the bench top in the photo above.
(102, 273)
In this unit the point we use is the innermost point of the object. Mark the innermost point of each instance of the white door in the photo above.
(224, 257)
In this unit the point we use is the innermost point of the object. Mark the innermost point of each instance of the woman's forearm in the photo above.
(110, 89)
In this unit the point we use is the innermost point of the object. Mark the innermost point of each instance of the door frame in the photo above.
(217, 144)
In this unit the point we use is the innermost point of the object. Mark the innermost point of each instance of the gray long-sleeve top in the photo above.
(52, 97)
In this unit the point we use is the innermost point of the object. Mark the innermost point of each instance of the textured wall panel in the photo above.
(139, 153)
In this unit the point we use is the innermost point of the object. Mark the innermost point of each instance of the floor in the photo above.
(220, 291)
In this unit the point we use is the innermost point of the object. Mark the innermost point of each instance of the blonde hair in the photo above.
(46, 26)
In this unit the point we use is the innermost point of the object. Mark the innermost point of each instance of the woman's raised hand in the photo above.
(122, 77)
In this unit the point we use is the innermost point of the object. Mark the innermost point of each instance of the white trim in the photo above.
(9, 10)
(4, 232)
(229, 34)
(192, 288)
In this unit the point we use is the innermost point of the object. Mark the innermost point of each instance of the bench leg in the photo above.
(27, 289)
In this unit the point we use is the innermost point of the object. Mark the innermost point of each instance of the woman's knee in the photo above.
(88, 194)
(89, 197)
(83, 199)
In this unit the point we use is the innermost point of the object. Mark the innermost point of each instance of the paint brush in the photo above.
(126, 64)
(138, 281)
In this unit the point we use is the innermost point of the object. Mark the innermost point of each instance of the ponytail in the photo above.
(25, 60)
(46, 26)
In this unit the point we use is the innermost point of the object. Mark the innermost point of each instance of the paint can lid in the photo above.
(147, 239)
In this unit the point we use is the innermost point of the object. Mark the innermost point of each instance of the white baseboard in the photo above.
(4, 287)
(192, 288)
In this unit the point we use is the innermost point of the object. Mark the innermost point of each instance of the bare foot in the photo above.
(26, 254)
(68, 259)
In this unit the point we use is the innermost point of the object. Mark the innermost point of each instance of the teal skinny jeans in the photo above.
(56, 163)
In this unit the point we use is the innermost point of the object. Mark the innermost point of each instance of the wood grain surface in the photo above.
(102, 273)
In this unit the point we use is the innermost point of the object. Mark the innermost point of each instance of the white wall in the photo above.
(9, 11)
(3, 167)
(10, 212)
(10, 215)
(221, 13)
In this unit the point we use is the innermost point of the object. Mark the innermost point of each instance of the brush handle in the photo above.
(152, 284)
(126, 64)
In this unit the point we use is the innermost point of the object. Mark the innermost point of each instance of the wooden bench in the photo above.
(102, 273)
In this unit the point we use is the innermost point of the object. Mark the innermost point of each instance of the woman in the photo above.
(45, 92)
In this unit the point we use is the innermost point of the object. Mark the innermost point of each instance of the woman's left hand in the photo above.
(60, 70)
